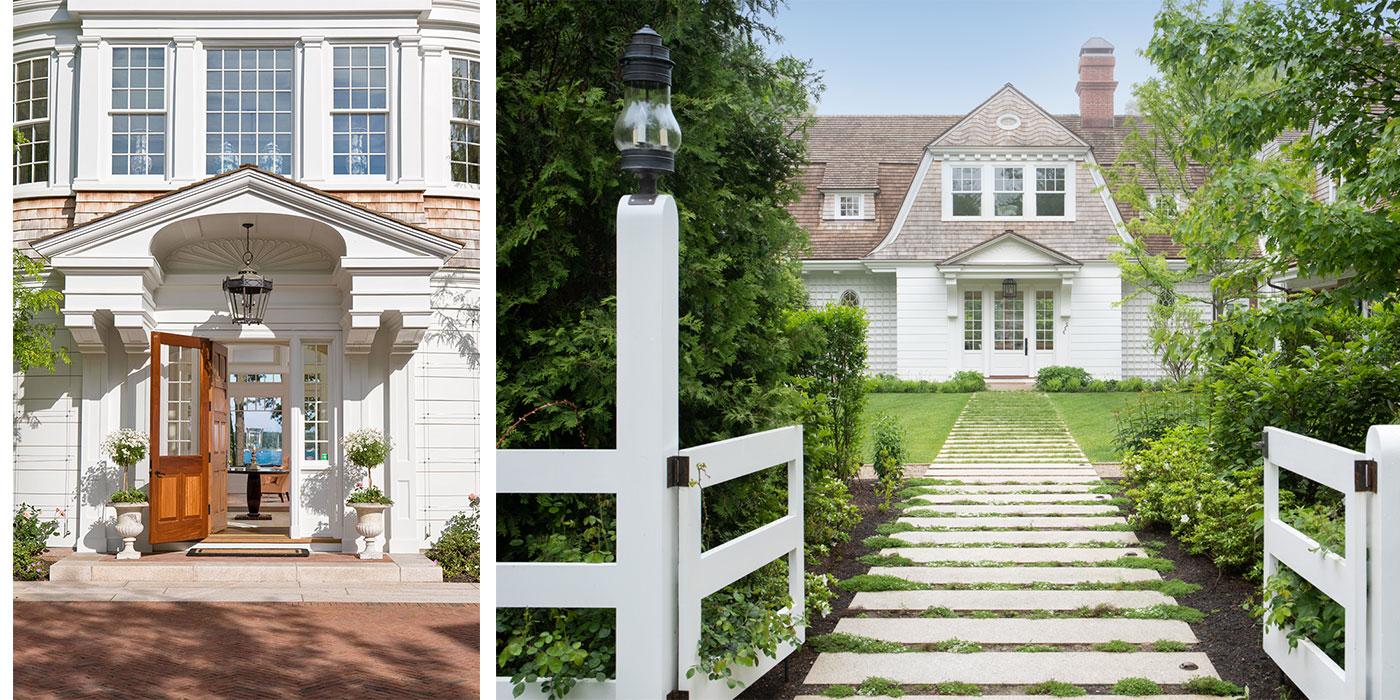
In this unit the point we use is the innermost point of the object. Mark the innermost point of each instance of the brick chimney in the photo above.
(1096, 84)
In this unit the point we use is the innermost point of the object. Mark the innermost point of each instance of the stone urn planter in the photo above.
(369, 523)
(130, 524)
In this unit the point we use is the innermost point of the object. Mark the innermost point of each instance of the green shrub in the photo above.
(458, 549)
(965, 382)
(1136, 686)
(1061, 378)
(889, 457)
(31, 536)
(1141, 423)
(830, 369)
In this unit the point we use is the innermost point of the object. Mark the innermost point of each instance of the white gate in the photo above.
(1363, 585)
(642, 585)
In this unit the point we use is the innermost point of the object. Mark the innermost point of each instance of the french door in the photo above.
(189, 437)
(1010, 351)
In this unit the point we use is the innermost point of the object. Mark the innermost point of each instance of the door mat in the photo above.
(248, 552)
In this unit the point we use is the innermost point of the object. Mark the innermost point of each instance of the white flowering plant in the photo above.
(126, 447)
(366, 449)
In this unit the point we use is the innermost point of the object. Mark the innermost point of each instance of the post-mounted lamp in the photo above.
(646, 131)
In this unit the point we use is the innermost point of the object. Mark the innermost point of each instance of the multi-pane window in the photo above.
(138, 110)
(1050, 191)
(972, 320)
(248, 109)
(180, 384)
(360, 110)
(316, 438)
(466, 121)
(850, 206)
(967, 191)
(1044, 320)
(31, 120)
(850, 298)
(1009, 323)
(1009, 187)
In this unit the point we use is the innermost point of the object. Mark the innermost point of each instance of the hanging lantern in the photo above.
(1008, 288)
(646, 131)
(247, 291)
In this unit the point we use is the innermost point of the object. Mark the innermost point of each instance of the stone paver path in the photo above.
(1011, 566)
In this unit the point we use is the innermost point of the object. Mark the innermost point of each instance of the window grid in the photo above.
(316, 442)
(1009, 323)
(1050, 191)
(466, 121)
(1008, 187)
(360, 111)
(850, 206)
(972, 320)
(1044, 320)
(850, 298)
(138, 110)
(31, 120)
(180, 375)
(248, 109)
(967, 191)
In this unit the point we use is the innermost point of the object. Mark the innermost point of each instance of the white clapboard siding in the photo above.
(46, 410)
(1096, 324)
(876, 292)
(922, 323)
(446, 413)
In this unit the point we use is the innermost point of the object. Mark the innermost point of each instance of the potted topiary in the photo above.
(126, 447)
(368, 449)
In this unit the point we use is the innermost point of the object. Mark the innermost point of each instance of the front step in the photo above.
(1017, 630)
(1011, 668)
(175, 567)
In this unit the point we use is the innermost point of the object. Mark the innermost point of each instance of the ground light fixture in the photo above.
(646, 131)
(247, 291)
(1008, 288)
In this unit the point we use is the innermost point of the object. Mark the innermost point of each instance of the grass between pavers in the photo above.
(1160, 611)
(884, 687)
(1157, 564)
(1093, 418)
(1057, 689)
(883, 542)
(926, 419)
(1136, 686)
(875, 583)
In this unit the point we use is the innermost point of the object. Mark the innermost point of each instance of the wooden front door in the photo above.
(180, 473)
(219, 438)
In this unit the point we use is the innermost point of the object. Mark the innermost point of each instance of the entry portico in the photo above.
(354, 300)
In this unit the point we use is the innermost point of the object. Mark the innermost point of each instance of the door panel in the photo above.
(179, 439)
(218, 434)
(1009, 352)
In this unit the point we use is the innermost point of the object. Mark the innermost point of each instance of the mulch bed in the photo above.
(785, 680)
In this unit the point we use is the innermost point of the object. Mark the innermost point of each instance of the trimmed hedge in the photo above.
(1063, 379)
(965, 382)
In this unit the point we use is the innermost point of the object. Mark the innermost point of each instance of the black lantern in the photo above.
(1008, 288)
(646, 131)
(247, 291)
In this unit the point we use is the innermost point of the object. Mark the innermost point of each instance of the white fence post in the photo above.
(1383, 446)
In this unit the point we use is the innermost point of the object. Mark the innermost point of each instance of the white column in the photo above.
(399, 475)
(647, 417)
(91, 154)
(313, 124)
(410, 103)
(1383, 445)
(354, 380)
(63, 137)
(437, 110)
(95, 485)
(186, 103)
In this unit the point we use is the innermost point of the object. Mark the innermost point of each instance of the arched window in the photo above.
(850, 298)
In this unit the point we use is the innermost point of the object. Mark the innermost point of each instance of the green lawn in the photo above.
(926, 418)
(1093, 420)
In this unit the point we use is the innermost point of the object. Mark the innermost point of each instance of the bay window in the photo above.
(31, 120)
(466, 121)
(360, 111)
(967, 191)
(1009, 188)
(248, 109)
(138, 110)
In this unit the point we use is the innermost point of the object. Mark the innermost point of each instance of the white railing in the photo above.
(1358, 581)
(702, 573)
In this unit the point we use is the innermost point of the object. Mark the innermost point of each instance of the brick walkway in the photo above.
(122, 651)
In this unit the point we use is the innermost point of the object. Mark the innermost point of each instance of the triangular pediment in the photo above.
(1008, 119)
(1009, 250)
(305, 215)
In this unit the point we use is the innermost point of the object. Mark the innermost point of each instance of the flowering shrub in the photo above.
(31, 538)
(126, 447)
(366, 449)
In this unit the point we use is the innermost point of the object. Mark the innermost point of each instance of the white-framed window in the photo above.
(972, 320)
(1044, 319)
(1009, 190)
(360, 110)
(850, 205)
(1050, 191)
(31, 120)
(850, 298)
(138, 110)
(316, 403)
(466, 120)
(966, 185)
(248, 109)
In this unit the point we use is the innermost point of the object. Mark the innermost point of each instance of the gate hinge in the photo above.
(677, 471)
(1263, 444)
(1366, 475)
(678, 694)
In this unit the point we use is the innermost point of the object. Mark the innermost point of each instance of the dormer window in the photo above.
(850, 206)
(1007, 190)
(1010, 191)
(967, 191)
(1050, 191)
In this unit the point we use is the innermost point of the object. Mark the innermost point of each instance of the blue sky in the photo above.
(945, 57)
